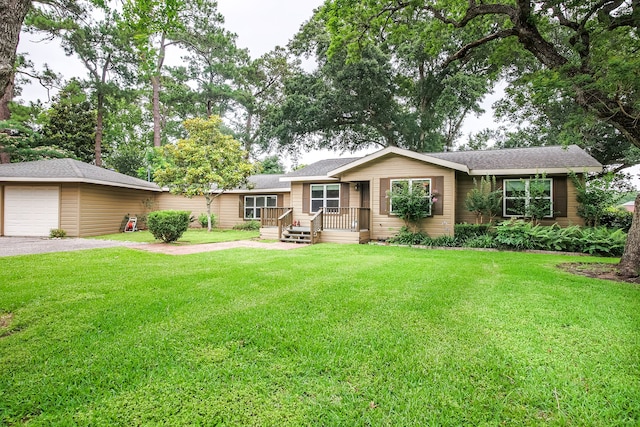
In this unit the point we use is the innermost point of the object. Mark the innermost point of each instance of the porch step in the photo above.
(296, 235)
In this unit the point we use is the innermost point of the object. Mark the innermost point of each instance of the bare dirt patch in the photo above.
(598, 270)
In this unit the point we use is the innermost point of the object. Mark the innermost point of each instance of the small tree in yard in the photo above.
(411, 204)
(597, 194)
(485, 199)
(207, 163)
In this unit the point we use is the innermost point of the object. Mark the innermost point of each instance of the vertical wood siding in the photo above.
(379, 171)
(225, 207)
(101, 208)
(70, 209)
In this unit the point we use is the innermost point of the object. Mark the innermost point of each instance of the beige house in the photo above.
(334, 200)
(85, 200)
(346, 200)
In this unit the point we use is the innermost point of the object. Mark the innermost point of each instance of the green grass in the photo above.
(322, 335)
(191, 236)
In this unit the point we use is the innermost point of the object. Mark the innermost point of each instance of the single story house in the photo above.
(86, 200)
(353, 193)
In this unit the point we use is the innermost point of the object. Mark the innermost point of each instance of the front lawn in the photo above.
(190, 237)
(321, 335)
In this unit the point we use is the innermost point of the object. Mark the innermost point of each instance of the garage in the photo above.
(31, 210)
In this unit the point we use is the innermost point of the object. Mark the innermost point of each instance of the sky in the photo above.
(260, 26)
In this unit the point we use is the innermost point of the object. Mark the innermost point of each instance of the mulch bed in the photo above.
(598, 270)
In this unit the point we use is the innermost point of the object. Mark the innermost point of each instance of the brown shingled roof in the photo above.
(69, 170)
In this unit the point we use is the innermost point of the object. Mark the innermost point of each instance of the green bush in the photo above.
(483, 241)
(203, 220)
(521, 235)
(252, 225)
(407, 237)
(442, 241)
(617, 218)
(57, 233)
(168, 226)
(465, 232)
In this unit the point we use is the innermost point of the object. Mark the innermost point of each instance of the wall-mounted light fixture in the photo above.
(357, 186)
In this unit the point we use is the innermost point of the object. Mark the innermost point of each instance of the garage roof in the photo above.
(69, 170)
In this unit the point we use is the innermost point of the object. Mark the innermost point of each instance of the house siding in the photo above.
(465, 185)
(226, 207)
(70, 209)
(384, 225)
(102, 209)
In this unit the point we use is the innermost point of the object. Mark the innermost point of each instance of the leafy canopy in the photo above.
(207, 161)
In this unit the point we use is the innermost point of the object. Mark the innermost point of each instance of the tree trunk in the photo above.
(630, 261)
(155, 86)
(99, 128)
(12, 13)
(208, 199)
(5, 114)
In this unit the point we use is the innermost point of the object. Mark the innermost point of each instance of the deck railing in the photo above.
(285, 221)
(349, 219)
(316, 225)
(352, 219)
(269, 216)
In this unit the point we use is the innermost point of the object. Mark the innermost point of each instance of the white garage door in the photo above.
(30, 211)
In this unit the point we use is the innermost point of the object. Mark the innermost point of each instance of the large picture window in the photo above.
(410, 184)
(253, 204)
(325, 196)
(528, 198)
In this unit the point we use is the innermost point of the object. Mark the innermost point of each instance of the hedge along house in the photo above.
(82, 199)
(346, 200)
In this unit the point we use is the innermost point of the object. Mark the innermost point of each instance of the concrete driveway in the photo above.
(10, 246)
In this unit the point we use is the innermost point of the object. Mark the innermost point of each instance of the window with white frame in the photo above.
(411, 184)
(528, 197)
(253, 204)
(325, 196)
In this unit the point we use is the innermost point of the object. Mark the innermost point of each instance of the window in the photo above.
(252, 205)
(399, 184)
(325, 196)
(528, 198)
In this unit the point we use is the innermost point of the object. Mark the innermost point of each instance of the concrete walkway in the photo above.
(10, 246)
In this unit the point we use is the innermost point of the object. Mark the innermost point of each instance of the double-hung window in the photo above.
(253, 204)
(411, 184)
(325, 196)
(528, 197)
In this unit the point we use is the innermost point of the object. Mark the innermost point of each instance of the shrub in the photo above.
(485, 199)
(465, 232)
(252, 225)
(57, 233)
(442, 241)
(617, 218)
(484, 241)
(407, 237)
(202, 219)
(168, 226)
(592, 240)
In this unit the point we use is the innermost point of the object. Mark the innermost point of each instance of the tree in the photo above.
(104, 49)
(271, 165)
(70, 123)
(410, 203)
(485, 199)
(153, 24)
(207, 163)
(587, 50)
(395, 91)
